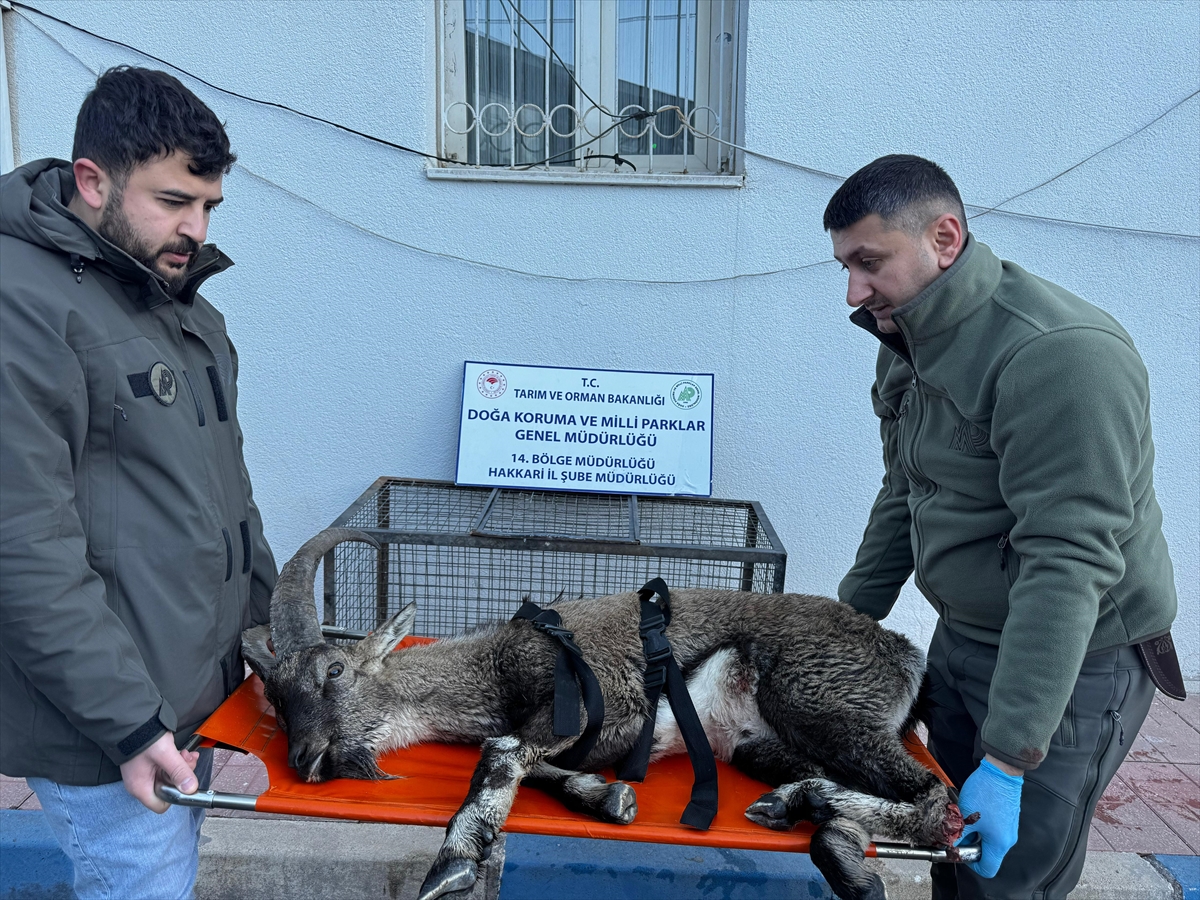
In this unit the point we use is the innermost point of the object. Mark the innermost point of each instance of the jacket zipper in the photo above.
(218, 487)
(1003, 556)
(915, 477)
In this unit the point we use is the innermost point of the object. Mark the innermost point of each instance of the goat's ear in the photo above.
(257, 654)
(380, 642)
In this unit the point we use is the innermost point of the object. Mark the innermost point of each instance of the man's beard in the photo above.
(117, 228)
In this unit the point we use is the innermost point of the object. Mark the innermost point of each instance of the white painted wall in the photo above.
(352, 344)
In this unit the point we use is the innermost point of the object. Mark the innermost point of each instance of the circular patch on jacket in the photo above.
(163, 385)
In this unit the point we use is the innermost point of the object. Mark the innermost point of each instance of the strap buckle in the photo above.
(655, 647)
(555, 631)
(563, 636)
(655, 677)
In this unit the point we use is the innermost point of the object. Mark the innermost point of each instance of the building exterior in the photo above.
(366, 275)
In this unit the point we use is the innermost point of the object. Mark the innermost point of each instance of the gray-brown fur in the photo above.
(800, 691)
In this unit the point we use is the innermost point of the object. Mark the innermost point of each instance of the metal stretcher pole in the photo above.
(904, 851)
(221, 800)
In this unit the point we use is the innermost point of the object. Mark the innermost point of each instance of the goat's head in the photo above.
(328, 697)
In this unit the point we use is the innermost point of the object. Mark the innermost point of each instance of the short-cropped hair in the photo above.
(906, 192)
(134, 115)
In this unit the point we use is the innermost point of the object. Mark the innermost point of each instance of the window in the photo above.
(601, 87)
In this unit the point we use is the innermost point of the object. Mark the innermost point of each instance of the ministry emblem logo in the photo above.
(491, 383)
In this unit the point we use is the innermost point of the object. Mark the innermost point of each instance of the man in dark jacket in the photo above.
(131, 552)
(1018, 490)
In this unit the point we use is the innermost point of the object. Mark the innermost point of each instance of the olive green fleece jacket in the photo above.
(1018, 488)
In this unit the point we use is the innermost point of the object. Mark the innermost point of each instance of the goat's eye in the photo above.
(335, 670)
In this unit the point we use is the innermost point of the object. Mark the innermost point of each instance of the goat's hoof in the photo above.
(447, 876)
(771, 811)
(489, 837)
(620, 804)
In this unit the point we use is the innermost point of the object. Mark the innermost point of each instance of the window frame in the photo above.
(596, 70)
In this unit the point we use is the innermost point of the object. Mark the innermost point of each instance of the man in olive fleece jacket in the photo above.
(1018, 491)
(131, 552)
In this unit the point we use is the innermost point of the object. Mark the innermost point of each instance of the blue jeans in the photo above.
(120, 849)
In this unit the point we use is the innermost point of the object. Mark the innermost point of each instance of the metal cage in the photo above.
(468, 555)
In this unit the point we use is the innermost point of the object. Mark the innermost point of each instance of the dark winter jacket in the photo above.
(131, 552)
(1016, 437)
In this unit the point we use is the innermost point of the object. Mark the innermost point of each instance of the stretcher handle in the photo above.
(204, 799)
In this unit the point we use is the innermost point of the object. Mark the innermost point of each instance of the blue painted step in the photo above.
(537, 867)
(1186, 870)
(32, 867)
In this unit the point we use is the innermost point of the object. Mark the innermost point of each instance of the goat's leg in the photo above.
(932, 820)
(505, 761)
(926, 813)
(929, 818)
(586, 793)
(838, 850)
(768, 758)
(878, 763)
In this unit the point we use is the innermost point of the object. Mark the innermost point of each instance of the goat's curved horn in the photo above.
(294, 621)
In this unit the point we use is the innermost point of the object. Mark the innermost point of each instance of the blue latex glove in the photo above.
(996, 796)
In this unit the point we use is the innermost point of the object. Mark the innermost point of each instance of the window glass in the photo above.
(656, 68)
(510, 74)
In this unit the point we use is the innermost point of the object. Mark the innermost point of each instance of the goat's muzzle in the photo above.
(307, 760)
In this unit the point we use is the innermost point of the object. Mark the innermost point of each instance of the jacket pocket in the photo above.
(1010, 560)
(228, 554)
(244, 528)
(195, 397)
(1066, 728)
(214, 378)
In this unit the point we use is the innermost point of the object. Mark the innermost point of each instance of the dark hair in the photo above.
(133, 115)
(907, 192)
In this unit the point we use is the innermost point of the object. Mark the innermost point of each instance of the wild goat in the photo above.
(801, 692)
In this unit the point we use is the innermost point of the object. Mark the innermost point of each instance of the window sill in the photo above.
(573, 176)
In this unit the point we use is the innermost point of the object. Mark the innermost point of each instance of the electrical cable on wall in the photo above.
(542, 276)
(216, 87)
(824, 174)
(1042, 184)
(18, 6)
(307, 201)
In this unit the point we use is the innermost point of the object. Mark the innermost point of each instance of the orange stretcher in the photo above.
(433, 779)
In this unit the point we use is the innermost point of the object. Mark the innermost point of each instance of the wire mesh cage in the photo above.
(469, 555)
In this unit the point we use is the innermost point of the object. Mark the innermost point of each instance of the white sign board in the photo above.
(598, 430)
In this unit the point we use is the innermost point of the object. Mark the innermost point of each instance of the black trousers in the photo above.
(1111, 699)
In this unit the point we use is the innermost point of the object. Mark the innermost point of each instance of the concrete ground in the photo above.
(1144, 843)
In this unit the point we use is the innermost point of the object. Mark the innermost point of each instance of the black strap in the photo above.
(569, 666)
(662, 672)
